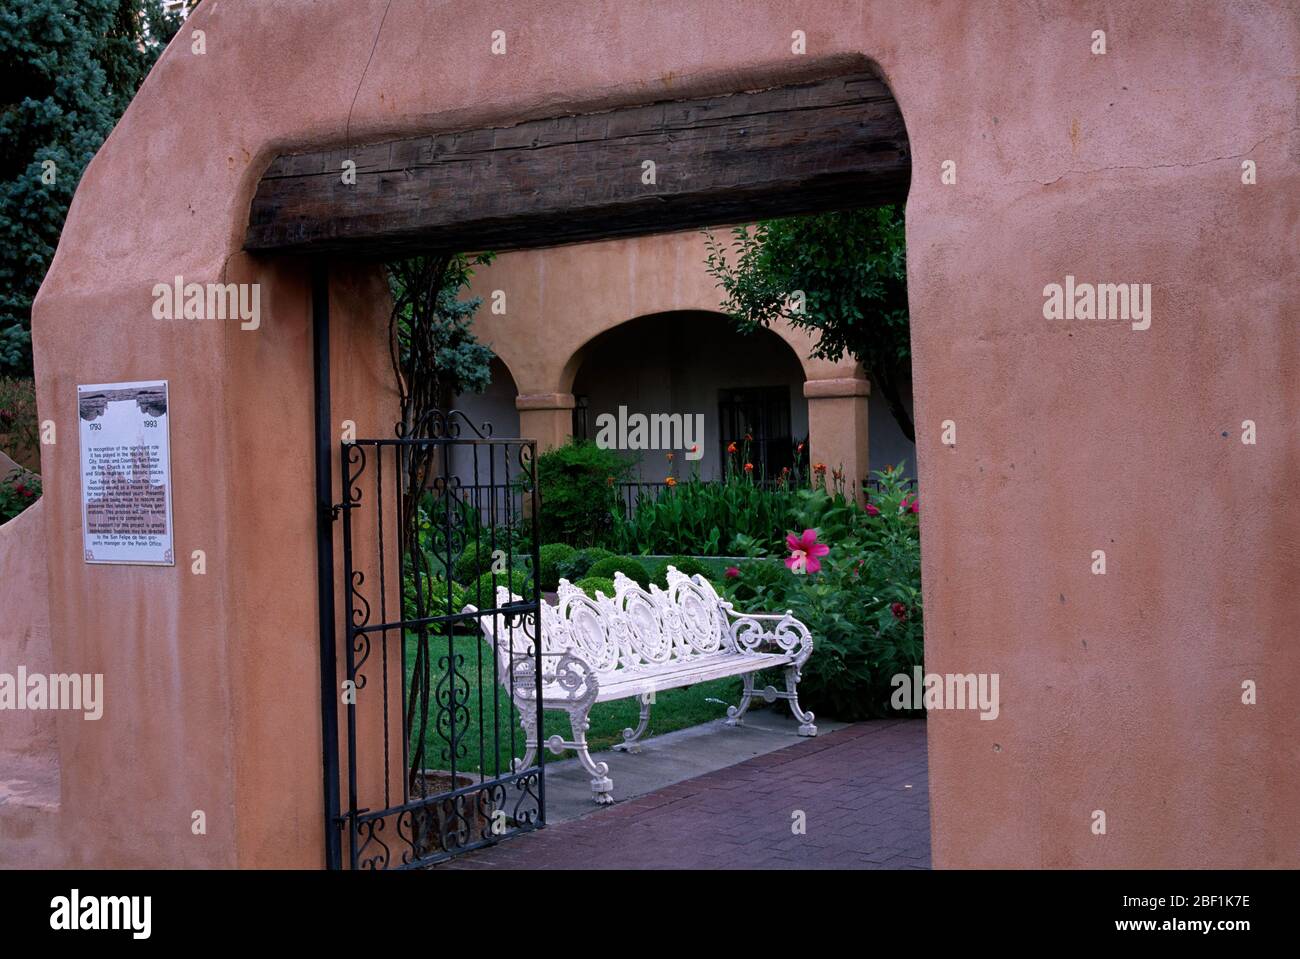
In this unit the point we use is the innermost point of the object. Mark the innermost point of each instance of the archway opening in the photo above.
(695, 364)
(806, 147)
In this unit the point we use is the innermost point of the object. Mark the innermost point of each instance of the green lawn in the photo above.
(491, 727)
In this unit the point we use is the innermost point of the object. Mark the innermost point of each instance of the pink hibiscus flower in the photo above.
(805, 552)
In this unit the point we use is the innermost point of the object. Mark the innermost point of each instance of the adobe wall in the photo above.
(1119, 693)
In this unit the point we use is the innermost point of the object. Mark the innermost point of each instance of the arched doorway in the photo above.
(696, 364)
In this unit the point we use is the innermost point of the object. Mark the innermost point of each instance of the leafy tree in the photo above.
(436, 354)
(852, 270)
(68, 69)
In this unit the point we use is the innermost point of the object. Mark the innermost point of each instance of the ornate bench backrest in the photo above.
(636, 629)
(633, 630)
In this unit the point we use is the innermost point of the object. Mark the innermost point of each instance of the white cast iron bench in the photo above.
(633, 644)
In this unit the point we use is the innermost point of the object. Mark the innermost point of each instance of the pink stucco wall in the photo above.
(1119, 693)
(29, 760)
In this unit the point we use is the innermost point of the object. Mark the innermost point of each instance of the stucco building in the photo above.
(583, 330)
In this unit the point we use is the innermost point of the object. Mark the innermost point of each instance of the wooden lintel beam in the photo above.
(808, 147)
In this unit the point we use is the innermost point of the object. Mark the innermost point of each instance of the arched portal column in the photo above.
(838, 428)
(545, 417)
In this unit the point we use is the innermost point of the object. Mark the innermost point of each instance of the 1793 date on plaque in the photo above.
(126, 490)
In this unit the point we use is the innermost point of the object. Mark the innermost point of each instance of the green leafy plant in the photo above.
(629, 567)
(863, 606)
(578, 485)
(736, 516)
(19, 490)
(435, 598)
(549, 557)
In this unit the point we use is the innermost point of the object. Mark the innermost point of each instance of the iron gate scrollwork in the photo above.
(432, 737)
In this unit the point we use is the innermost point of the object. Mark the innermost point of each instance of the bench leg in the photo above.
(736, 714)
(602, 787)
(630, 736)
(806, 727)
(529, 722)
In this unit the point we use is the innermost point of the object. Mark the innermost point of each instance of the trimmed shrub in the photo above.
(578, 565)
(631, 568)
(593, 583)
(690, 566)
(483, 593)
(549, 557)
(578, 484)
(472, 563)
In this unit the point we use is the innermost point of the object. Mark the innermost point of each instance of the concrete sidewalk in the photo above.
(670, 758)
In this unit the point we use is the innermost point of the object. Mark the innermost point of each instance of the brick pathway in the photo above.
(851, 784)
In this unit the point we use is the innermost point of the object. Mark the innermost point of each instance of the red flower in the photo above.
(899, 611)
(671, 481)
(805, 552)
(732, 573)
(873, 509)
(749, 467)
(819, 467)
(731, 447)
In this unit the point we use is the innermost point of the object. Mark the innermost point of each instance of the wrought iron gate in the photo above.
(432, 736)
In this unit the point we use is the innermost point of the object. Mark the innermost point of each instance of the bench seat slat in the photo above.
(625, 683)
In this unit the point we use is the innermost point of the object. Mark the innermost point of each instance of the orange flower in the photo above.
(670, 456)
(749, 467)
(671, 481)
(731, 447)
(819, 467)
(799, 448)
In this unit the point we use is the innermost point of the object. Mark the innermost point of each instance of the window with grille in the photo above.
(763, 414)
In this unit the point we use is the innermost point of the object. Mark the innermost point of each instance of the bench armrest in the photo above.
(752, 631)
(568, 680)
